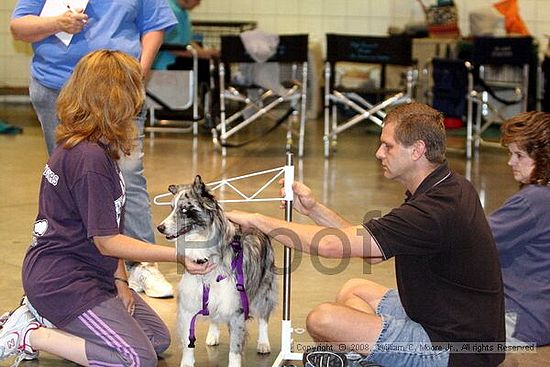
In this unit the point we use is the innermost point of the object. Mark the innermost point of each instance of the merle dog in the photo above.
(203, 234)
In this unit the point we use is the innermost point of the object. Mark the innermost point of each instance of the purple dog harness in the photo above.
(237, 268)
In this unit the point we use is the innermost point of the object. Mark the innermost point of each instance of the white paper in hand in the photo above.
(53, 8)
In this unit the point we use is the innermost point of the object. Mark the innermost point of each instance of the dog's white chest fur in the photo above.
(223, 298)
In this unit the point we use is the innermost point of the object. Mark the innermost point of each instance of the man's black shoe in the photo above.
(324, 359)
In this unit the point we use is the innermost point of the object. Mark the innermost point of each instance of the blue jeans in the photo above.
(401, 339)
(137, 218)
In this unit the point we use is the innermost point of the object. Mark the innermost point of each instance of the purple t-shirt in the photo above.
(81, 196)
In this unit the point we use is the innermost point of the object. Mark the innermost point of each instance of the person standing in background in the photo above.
(181, 34)
(135, 27)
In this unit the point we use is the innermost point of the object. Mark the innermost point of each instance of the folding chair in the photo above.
(383, 51)
(499, 68)
(292, 50)
(173, 97)
(545, 84)
(449, 87)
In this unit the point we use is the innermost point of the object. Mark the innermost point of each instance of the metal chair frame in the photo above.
(181, 108)
(490, 52)
(292, 49)
(383, 51)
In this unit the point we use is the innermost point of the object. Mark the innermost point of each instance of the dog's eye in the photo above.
(183, 209)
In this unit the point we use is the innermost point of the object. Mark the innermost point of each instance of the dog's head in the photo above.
(191, 222)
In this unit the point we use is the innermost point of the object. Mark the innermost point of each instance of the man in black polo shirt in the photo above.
(448, 306)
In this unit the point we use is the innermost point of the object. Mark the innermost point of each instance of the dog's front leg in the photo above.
(237, 334)
(213, 336)
(263, 345)
(188, 356)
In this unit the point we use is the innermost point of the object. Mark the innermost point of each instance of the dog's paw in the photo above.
(263, 348)
(213, 336)
(213, 354)
(187, 360)
(234, 360)
(212, 340)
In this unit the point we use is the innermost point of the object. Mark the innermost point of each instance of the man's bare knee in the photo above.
(319, 321)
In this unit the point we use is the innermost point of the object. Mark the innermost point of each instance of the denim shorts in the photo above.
(403, 342)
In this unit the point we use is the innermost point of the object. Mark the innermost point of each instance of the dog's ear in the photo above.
(198, 181)
(173, 189)
(200, 188)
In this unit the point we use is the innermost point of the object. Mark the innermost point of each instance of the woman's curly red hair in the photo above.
(531, 132)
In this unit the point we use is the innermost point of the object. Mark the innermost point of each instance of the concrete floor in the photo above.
(351, 181)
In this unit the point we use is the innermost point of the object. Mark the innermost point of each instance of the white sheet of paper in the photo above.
(53, 8)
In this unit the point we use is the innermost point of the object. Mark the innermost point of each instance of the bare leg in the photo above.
(61, 344)
(363, 295)
(352, 317)
(334, 322)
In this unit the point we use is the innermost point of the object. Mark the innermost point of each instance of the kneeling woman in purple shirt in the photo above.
(78, 304)
(521, 228)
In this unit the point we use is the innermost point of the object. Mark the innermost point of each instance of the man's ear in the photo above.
(418, 150)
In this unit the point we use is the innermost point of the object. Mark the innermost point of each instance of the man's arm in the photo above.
(327, 217)
(32, 28)
(150, 44)
(202, 53)
(306, 203)
(343, 242)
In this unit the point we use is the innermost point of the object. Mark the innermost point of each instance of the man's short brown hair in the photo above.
(418, 121)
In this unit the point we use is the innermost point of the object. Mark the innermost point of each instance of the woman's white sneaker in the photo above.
(15, 331)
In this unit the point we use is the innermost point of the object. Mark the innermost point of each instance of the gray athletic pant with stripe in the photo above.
(115, 338)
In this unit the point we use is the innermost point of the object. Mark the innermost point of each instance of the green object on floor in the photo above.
(6, 128)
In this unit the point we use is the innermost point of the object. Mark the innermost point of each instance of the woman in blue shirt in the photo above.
(521, 228)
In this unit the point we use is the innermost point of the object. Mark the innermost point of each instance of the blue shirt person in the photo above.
(521, 228)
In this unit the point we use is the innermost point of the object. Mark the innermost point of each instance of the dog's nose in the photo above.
(161, 228)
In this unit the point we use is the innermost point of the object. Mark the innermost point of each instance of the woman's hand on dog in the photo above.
(194, 268)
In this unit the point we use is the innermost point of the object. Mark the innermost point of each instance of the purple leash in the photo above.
(203, 311)
(237, 268)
